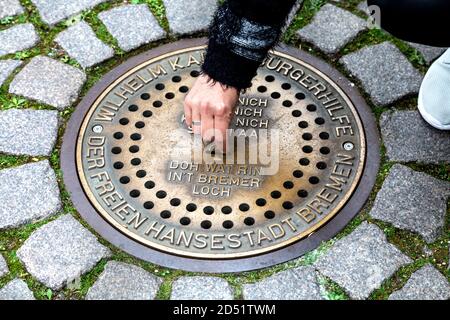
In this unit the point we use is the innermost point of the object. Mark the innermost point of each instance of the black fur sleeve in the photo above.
(241, 34)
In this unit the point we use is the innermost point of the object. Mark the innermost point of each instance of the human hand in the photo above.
(208, 108)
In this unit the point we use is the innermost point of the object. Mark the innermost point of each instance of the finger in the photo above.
(207, 127)
(196, 119)
(187, 113)
(221, 125)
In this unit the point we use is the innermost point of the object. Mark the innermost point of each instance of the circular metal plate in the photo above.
(127, 160)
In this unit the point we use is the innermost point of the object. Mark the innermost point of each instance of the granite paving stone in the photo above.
(332, 28)
(408, 138)
(189, 16)
(384, 72)
(364, 7)
(7, 67)
(361, 261)
(429, 53)
(81, 43)
(18, 38)
(122, 281)
(3, 266)
(28, 193)
(60, 252)
(201, 288)
(16, 289)
(425, 284)
(28, 132)
(48, 81)
(294, 284)
(54, 11)
(10, 8)
(413, 201)
(132, 25)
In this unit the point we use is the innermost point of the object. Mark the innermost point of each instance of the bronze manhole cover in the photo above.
(127, 159)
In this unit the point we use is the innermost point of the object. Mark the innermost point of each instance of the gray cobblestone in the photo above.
(18, 38)
(201, 288)
(132, 25)
(28, 193)
(28, 132)
(7, 67)
(54, 11)
(384, 72)
(295, 284)
(3, 266)
(82, 45)
(10, 8)
(122, 281)
(429, 53)
(60, 252)
(332, 28)
(413, 201)
(189, 16)
(16, 289)
(426, 283)
(48, 81)
(361, 261)
(408, 138)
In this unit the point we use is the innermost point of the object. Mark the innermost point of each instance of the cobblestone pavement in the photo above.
(52, 52)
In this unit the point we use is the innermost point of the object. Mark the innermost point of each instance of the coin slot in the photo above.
(208, 210)
(228, 224)
(150, 185)
(185, 221)
(145, 96)
(118, 165)
(275, 95)
(249, 221)
(275, 194)
(311, 107)
(226, 210)
(304, 161)
(206, 224)
(135, 193)
(244, 207)
(262, 89)
(303, 124)
(161, 194)
(139, 124)
(133, 108)
(261, 202)
(297, 174)
(314, 180)
(124, 180)
(296, 113)
(134, 149)
(148, 205)
(165, 214)
(288, 205)
(141, 173)
(302, 193)
(124, 121)
(269, 214)
(191, 207)
(175, 202)
(287, 103)
(135, 161)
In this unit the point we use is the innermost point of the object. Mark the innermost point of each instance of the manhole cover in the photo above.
(127, 160)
